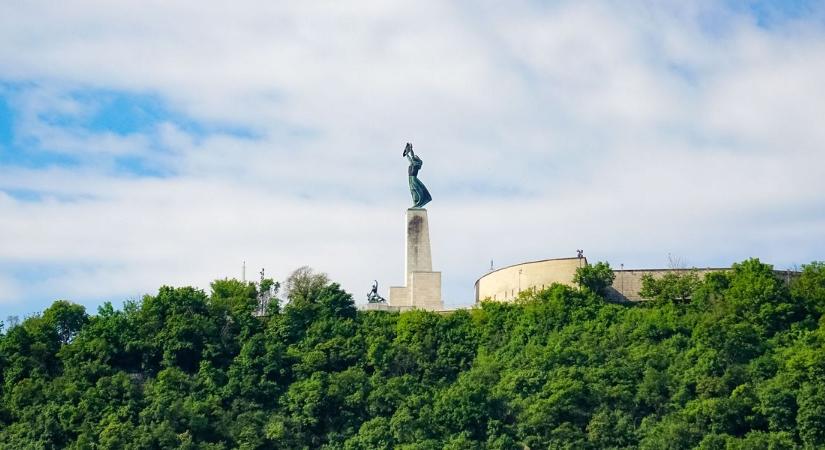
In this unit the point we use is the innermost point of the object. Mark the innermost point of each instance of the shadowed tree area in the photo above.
(734, 360)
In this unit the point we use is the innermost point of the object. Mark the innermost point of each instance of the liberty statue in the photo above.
(420, 195)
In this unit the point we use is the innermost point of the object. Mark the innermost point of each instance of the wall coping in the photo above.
(526, 263)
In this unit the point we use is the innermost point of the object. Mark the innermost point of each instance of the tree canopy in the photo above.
(596, 277)
(733, 360)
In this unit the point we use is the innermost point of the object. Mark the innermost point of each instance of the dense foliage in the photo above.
(596, 277)
(739, 364)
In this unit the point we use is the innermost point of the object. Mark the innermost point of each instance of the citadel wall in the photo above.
(505, 284)
(628, 282)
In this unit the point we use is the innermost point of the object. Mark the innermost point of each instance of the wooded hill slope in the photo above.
(739, 363)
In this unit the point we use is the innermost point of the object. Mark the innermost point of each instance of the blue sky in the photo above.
(148, 146)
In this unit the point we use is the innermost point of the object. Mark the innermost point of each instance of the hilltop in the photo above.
(737, 363)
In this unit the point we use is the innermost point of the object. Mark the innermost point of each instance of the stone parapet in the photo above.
(382, 307)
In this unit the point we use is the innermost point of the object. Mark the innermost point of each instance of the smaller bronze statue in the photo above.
(373, 296)
(420, 195)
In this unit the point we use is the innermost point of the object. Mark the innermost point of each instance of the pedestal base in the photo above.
(423, 292)
(422, 287)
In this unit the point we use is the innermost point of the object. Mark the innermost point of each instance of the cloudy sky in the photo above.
(153, 142)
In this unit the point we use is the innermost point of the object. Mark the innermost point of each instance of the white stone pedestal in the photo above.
(422, 286)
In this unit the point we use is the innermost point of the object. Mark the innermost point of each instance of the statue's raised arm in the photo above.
(420, 195)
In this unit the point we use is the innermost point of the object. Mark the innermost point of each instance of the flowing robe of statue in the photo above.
(420, 195)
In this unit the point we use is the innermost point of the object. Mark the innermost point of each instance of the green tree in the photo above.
(809, 287)
(739, 366)
(759, 297)
(811, 400)
(596, 277)
(672, 286)
(66, 318)
(304, 283)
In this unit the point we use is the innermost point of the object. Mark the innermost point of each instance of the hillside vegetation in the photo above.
(732, 361)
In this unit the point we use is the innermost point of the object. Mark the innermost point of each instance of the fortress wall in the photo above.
(505, 284)
(628, 282)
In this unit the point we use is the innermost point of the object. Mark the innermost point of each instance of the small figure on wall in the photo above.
(420, 195)
(373, 296)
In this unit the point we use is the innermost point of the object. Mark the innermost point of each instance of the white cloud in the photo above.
(10, 292)
(632, 131)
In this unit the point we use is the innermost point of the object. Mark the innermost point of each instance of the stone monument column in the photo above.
(422, 286)
(417, 254)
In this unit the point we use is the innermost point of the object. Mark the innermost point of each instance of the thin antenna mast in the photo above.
(243, 272)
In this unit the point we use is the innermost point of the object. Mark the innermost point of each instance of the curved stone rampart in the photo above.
(505, 284)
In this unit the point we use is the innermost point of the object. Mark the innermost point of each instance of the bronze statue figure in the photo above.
(420, 195)
(373, 296)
